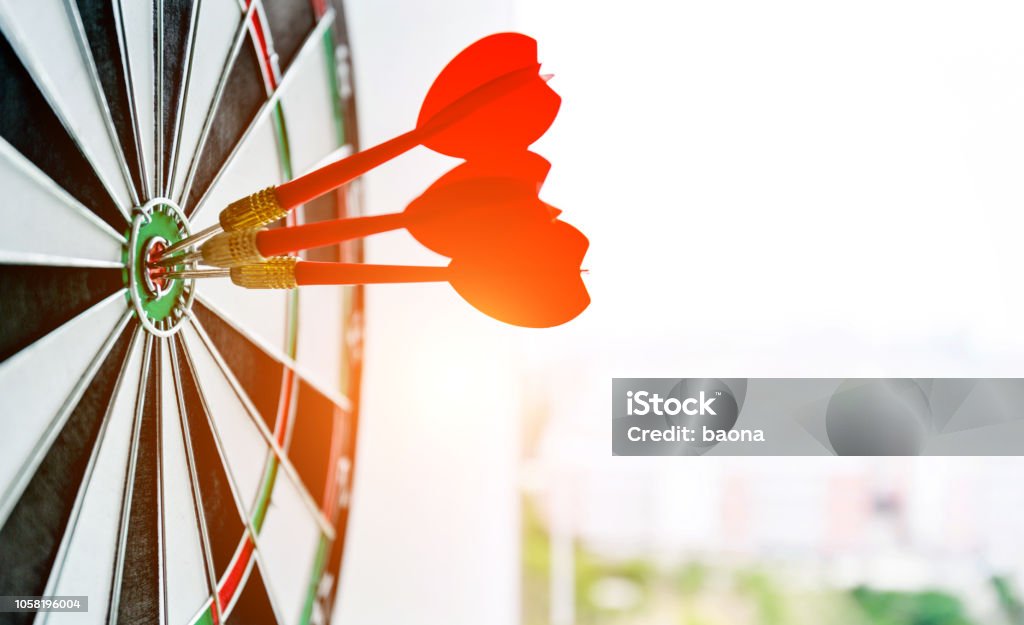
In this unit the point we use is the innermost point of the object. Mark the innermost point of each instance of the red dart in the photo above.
(471, 208)
(537, 285)
(488, 101)
(473, 205)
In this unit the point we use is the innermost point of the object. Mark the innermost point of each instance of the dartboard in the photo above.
(174, 451)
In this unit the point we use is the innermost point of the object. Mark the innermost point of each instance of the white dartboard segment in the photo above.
(308, 106)
(288, 544)
(41, 381)
(217, 25)
(187, 587)
(316, 353)
(86, 563)
(43, 224)
(252, 166)
(139, 57)
(242, 446)
(261, 312)
(45, 36)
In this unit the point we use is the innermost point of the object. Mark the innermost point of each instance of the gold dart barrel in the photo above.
(253, 211)
(274, 273)
(231, 249)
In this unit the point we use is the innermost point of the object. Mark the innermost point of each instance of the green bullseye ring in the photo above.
(160, 308)
(162, 224)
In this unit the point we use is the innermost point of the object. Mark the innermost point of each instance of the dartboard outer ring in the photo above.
(207, 403)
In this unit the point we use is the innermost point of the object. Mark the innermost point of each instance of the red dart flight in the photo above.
(537, 284)
(488, 102)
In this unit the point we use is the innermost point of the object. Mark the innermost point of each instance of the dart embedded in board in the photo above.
(489, 100)
(536, 283)
(511, 257)
(475, 206)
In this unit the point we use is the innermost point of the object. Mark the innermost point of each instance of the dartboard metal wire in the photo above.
(177, 451)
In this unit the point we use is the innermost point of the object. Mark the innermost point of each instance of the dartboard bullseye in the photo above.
(178, 451)
(161, 305)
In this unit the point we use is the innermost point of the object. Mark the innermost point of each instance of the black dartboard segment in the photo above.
(173, 31)
(29, 124)
(139, 594)
(37, 300)
(249, 363)
(312, 438)
(321, 209)
(244, 93)
(96, 18)
(223, 524)
(348, 104)
(253, 607)
(290, 24)
(31, 537)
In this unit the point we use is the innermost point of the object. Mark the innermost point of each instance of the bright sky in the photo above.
(794, 169)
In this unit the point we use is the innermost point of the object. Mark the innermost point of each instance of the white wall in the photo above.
(434, 534)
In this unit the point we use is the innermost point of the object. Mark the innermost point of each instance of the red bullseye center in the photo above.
(157, 274)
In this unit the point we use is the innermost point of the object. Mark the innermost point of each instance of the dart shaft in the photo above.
(280, 241)
(286, 272)
(328, 177)
(316, 183)
(273, 203)
(191, 240)
(310, 272)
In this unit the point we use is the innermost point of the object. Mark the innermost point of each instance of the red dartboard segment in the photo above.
(260, 39)
(227, 590)
(330, 500)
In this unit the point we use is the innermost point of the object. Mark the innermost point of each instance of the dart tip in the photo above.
(174, 261)
(162, 261)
